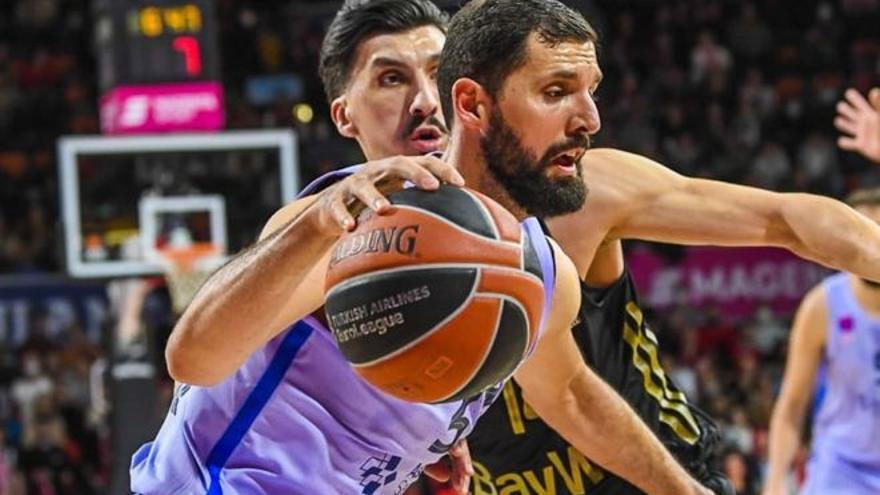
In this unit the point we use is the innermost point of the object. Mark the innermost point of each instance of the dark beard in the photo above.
(871, 284)
(524, 177)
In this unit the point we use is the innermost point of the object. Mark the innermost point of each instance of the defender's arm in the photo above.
(573, 400)
(639, 198)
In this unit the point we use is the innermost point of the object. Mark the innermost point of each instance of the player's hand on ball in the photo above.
(859, 120)
(368, 186)
(457, 468)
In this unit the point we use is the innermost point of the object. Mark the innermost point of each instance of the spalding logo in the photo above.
(401, 240)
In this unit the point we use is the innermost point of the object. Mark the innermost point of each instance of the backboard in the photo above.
(122, 197)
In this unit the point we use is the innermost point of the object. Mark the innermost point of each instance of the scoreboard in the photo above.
(156, 41)
(158, 65)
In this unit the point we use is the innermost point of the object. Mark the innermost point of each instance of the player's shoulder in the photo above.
(815, 301)
(621, 181)
(601, 159)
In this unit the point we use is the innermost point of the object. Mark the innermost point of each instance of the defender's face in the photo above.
(392, 102)
(549, 105)
(540, 127)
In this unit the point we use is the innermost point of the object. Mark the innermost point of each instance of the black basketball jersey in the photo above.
(513, 449)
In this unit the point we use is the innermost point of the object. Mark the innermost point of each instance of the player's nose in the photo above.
(586, 119)
(425, 102)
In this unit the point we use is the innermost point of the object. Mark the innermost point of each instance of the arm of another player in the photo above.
(805, 350)
(638, 198)
(860, 120)
(280, 279)
(573, 400)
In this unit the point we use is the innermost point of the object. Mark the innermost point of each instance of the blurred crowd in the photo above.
(740, 91)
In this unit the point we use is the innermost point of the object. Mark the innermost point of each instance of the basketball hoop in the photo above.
(186, 269)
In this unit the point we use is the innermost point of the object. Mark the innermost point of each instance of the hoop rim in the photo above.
(196, 256)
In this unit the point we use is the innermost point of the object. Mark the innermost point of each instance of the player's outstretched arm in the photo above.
(804, 354)
(859, 120)
(635, 197)
(573, 400)
(280, 279)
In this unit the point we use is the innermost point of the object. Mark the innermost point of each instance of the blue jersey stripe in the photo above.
(255, 402)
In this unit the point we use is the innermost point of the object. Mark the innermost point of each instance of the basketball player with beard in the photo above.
(271, 405)
(513, 448)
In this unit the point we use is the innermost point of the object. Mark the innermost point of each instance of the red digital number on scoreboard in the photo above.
(189, 47)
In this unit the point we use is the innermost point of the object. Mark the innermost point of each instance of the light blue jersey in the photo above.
(845, 457)
(295, 419)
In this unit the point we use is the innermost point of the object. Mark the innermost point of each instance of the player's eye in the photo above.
(391, 78)
(554, 92)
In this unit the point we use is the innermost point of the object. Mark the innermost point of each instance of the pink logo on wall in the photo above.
(196, 106)
(735, 280)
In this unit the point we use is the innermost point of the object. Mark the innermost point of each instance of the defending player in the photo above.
(836, 338)
(280, 411)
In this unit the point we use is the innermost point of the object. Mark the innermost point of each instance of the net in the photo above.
(186, 269)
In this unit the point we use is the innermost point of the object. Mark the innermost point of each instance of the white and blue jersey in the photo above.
(845, 457)
(295, 419)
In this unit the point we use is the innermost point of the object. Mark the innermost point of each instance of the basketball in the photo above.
(437, 300)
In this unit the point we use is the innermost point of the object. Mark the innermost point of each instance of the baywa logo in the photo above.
(398, 239)
(377, 472)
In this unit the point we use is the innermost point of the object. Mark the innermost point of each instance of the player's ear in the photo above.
(340, 114)
(471, 104)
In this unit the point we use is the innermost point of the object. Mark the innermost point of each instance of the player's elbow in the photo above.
(804, 227)
(186, 364)
(557, 404)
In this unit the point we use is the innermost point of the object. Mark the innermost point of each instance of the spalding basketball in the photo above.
(438, 300)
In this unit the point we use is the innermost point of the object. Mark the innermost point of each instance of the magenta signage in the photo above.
(195, 106)
(734, 280)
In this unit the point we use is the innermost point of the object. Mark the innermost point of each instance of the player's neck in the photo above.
(468, 158)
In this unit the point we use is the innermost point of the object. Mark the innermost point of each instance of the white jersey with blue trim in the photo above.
(845, 453)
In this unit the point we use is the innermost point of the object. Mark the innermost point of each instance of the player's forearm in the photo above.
(247, 302)
(599, 423)
(831, 233)
(785, 427)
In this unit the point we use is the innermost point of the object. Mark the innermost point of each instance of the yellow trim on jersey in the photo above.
(516, 420)
(673, 404)
(563, 472)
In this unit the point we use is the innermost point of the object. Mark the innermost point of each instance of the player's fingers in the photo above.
(857, 100)
(874, 98)
(847, 144)
(366, 193)
(844, 109)
(845, 125)
(460, 482)
(462, 452)
(407, 168)
(439, 471)
(462, 467)
(442, 169)
(339, 212)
